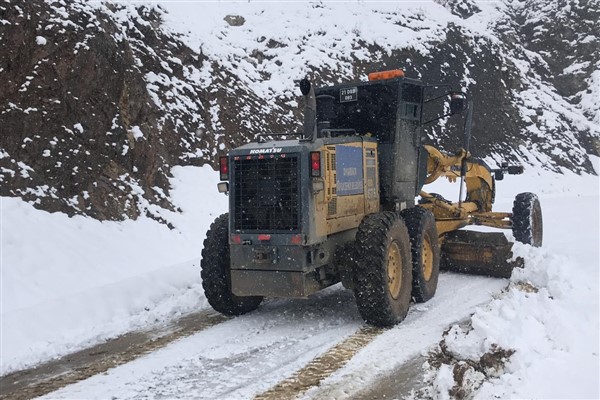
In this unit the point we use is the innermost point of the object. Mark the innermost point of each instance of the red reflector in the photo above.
(236, 239)
(264, 238)
(315, 163)
(224, 168)
(296, 239)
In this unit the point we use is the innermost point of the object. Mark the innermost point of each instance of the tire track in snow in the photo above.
(321, 367)
(286, 338)
(53, 375)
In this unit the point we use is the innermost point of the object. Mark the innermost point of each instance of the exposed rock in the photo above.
(235, 20)
(461, 8)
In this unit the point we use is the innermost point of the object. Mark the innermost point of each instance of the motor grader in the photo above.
(343, 200)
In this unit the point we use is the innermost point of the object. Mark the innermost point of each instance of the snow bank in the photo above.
(70, 282)
(549, 317)
(549, 314)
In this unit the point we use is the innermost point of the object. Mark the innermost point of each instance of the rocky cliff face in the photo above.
(563, 37)
(99, 101)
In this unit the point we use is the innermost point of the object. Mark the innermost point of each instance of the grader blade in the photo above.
(478, 253)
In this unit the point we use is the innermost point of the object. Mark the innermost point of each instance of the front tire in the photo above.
(527, 224)
(425, 250)
(216, 273)
(383, 269)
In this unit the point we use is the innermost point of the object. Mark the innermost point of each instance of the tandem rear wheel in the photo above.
(425, 251)
(383, 269)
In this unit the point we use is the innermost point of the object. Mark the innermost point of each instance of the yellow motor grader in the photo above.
(343, 200)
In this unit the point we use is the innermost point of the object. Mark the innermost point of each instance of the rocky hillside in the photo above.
(99, 101)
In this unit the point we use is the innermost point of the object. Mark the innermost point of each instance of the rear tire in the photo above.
(425, 251)
(527, 224)
(216, 273)
(383, 269)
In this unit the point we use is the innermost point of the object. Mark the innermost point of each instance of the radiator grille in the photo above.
(266, 194)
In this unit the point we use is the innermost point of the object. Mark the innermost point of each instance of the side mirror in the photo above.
(458, 103)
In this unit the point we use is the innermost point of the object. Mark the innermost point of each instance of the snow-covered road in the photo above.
(249, 354)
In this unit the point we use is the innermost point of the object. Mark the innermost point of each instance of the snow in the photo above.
(78, 127)
(85, 294)
(67, 283)
(70, 282)
(333, 38)
(137, 132)
(443, 382)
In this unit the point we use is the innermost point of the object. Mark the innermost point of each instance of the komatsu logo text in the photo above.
(266, 151)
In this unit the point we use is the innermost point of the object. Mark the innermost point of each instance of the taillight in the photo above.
(224, 168)
(315, 163)
(264, 238)
(296, 239)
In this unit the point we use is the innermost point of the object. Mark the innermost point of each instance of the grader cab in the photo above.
(338, 202)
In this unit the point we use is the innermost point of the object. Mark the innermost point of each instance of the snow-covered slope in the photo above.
(520, 112)
(102, 99)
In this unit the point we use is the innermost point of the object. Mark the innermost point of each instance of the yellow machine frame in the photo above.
(477, 209)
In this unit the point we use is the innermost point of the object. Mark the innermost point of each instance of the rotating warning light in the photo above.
(393, 73)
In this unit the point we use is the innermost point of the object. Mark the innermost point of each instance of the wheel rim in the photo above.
(394, 270)
(427, 255)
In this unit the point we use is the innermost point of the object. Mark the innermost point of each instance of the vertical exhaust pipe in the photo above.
(310, 110)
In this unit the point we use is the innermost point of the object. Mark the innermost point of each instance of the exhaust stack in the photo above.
(310, 110)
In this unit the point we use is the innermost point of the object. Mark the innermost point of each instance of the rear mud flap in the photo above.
(478, 253)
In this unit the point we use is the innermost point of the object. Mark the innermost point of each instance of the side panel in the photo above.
(371, 182)
(399, 153)
(407, 143)
(351, 185)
